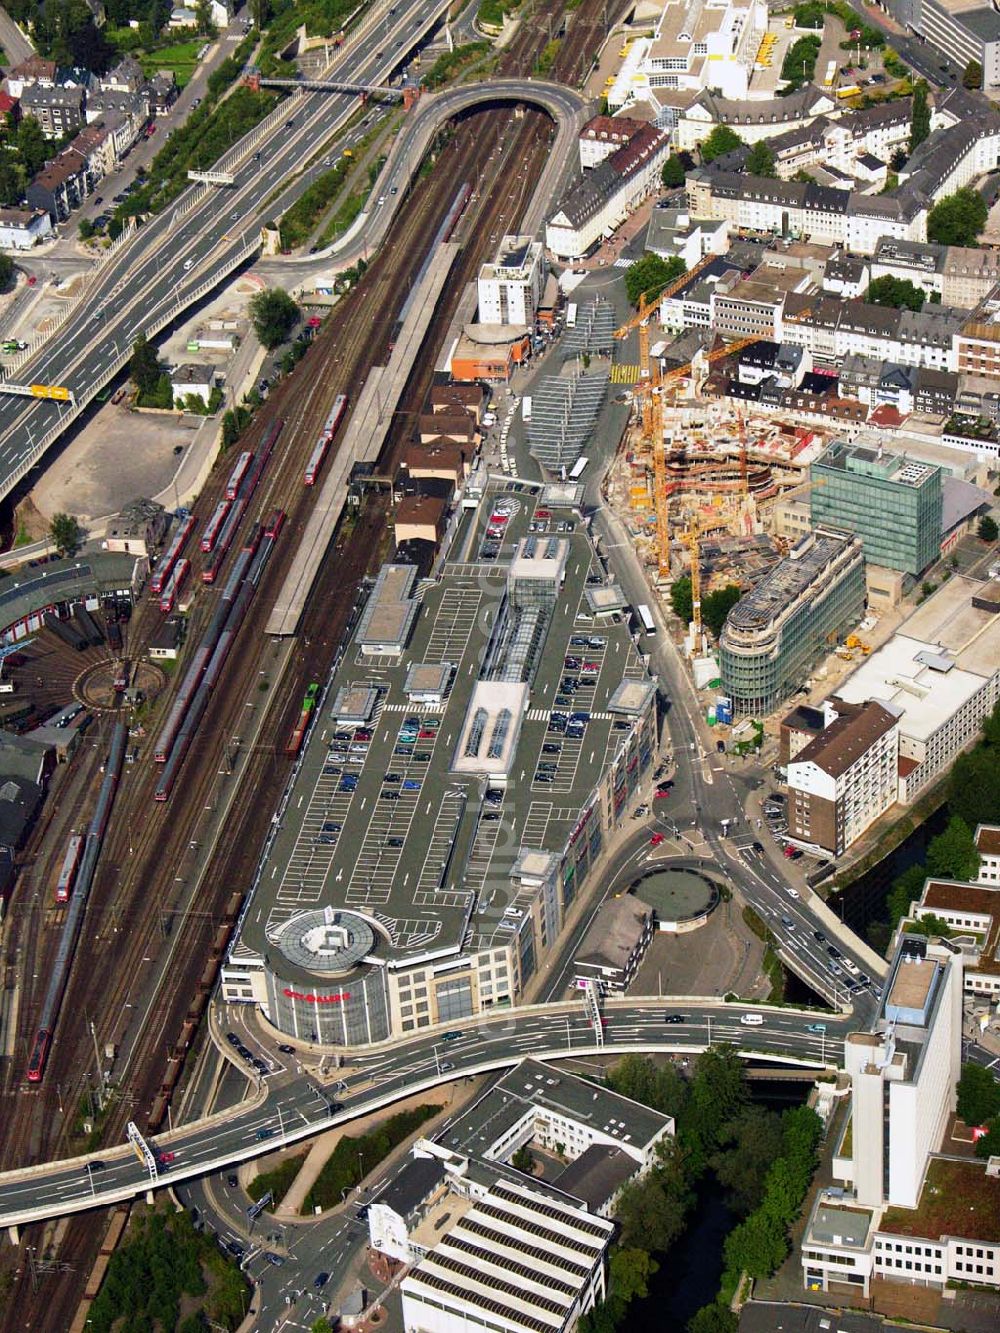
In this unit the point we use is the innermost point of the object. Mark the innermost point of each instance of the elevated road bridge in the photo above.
(289, 1108)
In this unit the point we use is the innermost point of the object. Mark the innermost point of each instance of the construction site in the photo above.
(701, 483)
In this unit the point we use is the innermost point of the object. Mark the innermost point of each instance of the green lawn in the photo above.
(182, 59)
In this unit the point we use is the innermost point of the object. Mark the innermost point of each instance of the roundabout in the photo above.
(683, 897)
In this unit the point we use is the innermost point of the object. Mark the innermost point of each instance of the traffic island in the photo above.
(682, 898)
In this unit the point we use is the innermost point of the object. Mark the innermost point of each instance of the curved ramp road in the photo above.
(293, 1108)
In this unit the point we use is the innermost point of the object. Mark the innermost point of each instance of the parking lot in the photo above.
(378, 819)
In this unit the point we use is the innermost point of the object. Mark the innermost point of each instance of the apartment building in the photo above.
(604, 135)
(22, 228)
(844, 143)
(943, 671)
(61, 186)
(58, 110)
(607, 194)
(752, 120)
(511, 287)
(34, 70)
(846, 778)
(799, 209)
(780, 629)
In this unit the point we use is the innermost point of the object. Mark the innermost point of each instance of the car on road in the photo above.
(818, 935)
(445, 1065)
(320, 1280)
(752, 1020)
(286, 1049)
(792, 893)
(656, 839)
(815, 1027)
(675, 1018)
(232, 1038)
(788, 923)
(659, 795)
(757, 846)
(94, 1166)
(232, 1182)
(453, 1035)
(188, 264)
(273, 1258)
(266, 1132)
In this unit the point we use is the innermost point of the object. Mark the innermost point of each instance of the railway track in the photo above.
(134, 894)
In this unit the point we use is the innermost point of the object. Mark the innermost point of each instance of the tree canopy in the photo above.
(65, 533)
(898, 292)
(920, 121)
(972, 75)
(978, 1095)
(721, 140)
(987, 530)
(144, 367)
(650, 274)
(681, 602)
(715, 606)
(673, 172)
(274, 314)
(760, 160)
(958, 219)
(952, 854)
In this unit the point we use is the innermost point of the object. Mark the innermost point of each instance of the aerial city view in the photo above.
(499, 666)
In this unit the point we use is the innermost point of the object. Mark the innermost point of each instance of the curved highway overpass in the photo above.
(433, 111)
(291, 1107)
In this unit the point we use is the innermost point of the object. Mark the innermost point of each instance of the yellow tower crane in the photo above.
(692, 538)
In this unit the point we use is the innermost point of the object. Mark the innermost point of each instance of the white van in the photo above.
(752, 1020)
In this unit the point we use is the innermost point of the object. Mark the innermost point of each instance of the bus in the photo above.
(571, 315)
(578, 468)
(648, 624)
(852, 90)
(70, 865)
(211, 534)
(831, 74)
(238, 473)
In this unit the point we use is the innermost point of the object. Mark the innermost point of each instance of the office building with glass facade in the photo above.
(776, 633)
(891, 502)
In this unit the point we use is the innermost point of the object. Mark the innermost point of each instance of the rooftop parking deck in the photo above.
(391, 818)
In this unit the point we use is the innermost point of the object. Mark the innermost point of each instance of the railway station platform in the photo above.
(362, 441)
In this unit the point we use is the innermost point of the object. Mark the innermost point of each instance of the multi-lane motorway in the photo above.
(208, 229)
(292, 1107)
